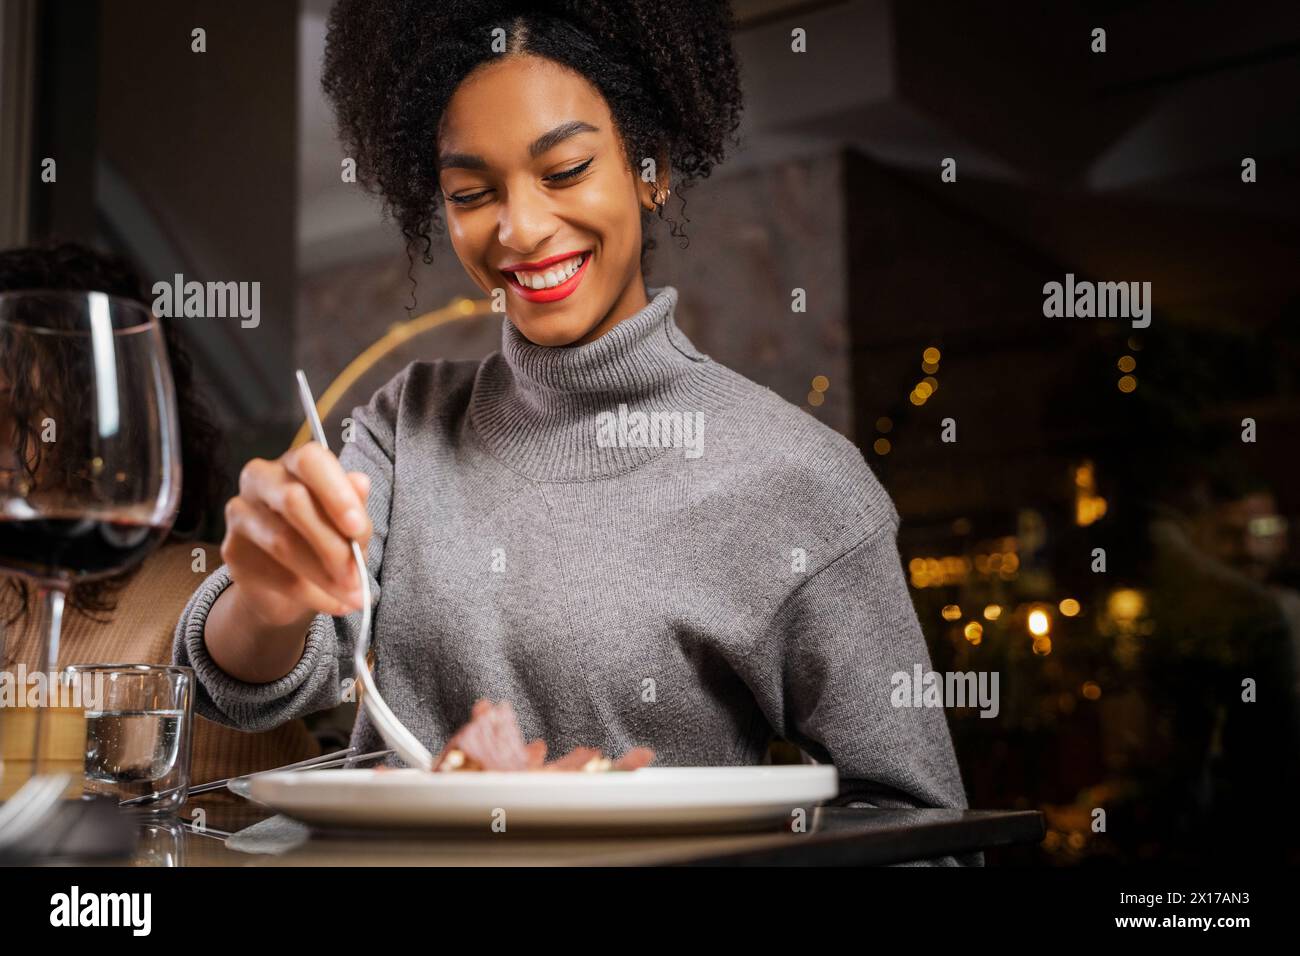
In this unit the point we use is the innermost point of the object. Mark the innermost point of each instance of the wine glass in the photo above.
(89, 449)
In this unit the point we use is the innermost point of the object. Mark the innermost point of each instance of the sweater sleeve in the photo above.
(822, 673)
(316, 681)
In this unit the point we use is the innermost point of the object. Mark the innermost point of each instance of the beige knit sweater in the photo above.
(140, 632)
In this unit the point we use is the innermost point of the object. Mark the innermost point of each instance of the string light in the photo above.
(1039, 623)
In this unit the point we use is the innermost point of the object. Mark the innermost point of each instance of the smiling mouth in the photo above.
(557, 281)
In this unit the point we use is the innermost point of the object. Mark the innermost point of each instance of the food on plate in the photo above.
(492, 740)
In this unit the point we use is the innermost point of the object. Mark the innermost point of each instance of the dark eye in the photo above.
(570, 173)
(472, 197)
(566, 174)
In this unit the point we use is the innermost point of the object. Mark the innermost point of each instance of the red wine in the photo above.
(54, 548)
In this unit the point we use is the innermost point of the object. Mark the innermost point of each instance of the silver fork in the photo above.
(32, 806)
(392, 730)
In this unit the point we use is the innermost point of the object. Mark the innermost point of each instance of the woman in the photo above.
(693, 588)
(131, 618)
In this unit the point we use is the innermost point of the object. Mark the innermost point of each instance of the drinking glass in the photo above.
(89, 451)
(139, 726)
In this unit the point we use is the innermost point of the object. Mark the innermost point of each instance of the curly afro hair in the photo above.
(665, 67)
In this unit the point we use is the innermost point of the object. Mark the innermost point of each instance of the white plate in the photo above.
(673, 798)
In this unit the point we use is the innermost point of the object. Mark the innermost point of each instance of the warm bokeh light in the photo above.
(820, 383)
(992, 612)
(951, 612)
(931, 355)
(924, 389)
(974, 632)
(1069, 607)
(1039, 623)
(815, 398)
(1127, 383)
(1127, 363)
(916, 398)
(1091, 690)
(884, 424)
(881, 446)
(1126, 604)
(1089, 506)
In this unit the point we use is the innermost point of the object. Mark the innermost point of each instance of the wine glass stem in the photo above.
(52, 598)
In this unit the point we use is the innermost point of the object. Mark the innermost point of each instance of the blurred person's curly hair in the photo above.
(665, 67)
(68, 266)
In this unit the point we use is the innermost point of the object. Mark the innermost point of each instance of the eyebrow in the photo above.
(548, 140)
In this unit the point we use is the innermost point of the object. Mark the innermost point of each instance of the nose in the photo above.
(525, 220)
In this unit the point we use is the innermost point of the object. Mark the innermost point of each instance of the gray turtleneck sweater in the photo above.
(532, 544)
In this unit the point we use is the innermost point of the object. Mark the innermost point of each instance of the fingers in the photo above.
(258, 524)
(291, 500)
(321, 472)
(290, 532)
(268, 584)
(361, 482)
(298, 487)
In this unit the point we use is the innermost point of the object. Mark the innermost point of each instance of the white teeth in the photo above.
(551, 277)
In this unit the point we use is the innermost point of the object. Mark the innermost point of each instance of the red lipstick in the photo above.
(554, 294)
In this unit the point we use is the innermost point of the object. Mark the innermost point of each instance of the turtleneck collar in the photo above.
(536, 407)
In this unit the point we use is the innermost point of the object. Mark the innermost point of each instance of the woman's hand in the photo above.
(288, 537)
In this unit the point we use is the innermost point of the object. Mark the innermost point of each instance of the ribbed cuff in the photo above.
(239, 701)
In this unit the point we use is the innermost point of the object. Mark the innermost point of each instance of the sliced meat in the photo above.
(536, 754)
(635, 759)
(492, 740)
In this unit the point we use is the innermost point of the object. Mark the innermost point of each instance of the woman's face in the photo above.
(535, 181)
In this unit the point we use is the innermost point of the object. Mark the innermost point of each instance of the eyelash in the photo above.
(554, 177)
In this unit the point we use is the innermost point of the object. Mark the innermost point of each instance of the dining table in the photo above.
(222, 830)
